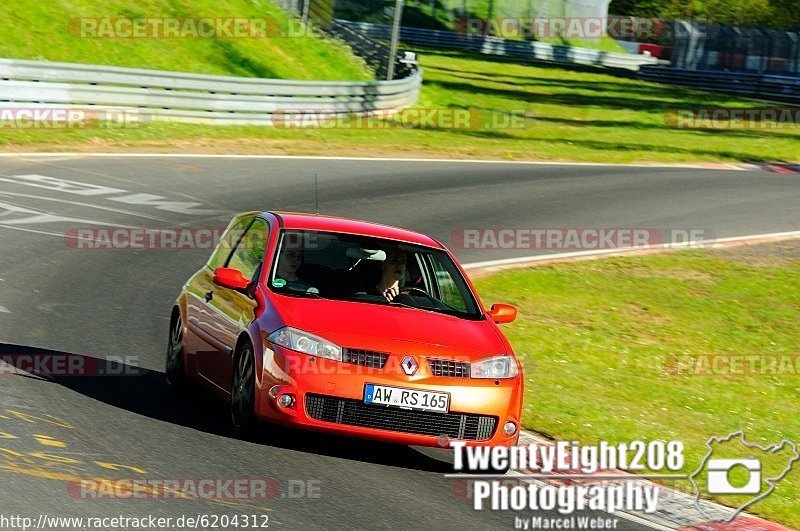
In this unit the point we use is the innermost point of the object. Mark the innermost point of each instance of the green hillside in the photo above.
(56, 31)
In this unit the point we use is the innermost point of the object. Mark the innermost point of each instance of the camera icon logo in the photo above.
(719, 472)
(740, 475)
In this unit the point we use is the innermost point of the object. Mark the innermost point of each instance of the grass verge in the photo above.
(617, 351)
(561, 115)
(53, 31)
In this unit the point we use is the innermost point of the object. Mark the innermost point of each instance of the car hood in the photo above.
(390, 328)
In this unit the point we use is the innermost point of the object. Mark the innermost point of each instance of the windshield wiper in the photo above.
(297, 293)
(442, 311)
(404, 305)
(423, 308)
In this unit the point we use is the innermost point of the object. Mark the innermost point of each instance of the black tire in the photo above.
(243, 387)
(174, 366)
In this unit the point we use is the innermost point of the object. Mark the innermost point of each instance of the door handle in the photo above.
(208, 296)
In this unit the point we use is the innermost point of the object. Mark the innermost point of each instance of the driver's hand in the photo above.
(391, 293)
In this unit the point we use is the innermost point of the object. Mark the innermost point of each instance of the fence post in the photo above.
(398, 14)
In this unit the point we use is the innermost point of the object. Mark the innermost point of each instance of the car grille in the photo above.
(357, 413)
(455, 369)
(367, 358)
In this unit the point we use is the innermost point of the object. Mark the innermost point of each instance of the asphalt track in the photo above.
(112, 304)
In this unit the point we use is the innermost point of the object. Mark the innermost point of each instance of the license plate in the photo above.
(407, 398)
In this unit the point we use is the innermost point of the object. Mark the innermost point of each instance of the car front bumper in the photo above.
(329, 396)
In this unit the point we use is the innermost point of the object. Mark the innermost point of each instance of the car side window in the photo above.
(249, 252)
(229, 238)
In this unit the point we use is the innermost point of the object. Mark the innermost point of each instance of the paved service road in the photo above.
(107, 304)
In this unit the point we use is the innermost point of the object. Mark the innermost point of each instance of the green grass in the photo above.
(597, 338)
(566, 115)
(606, 44)
(49, 31)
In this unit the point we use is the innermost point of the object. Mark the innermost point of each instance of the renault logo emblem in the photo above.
(409, 366)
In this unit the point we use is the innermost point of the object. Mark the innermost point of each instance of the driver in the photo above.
(393, 270)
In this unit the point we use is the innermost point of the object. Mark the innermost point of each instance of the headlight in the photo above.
(306, 343)
(496, 367)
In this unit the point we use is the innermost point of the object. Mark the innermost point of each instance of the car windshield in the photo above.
(371, 270)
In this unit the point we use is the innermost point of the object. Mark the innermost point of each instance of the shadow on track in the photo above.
(145, 392)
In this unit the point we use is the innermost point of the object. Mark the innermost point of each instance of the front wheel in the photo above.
(243, 416)
(174, 367)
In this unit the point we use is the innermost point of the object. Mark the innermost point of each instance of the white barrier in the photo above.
(178, 96)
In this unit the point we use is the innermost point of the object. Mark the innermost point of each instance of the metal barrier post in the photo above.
(398, 15)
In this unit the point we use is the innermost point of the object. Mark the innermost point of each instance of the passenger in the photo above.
(289, 261)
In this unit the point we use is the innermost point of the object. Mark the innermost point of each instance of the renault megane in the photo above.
(349, 327)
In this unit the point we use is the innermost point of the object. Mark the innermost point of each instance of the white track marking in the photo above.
(115, 178)
(36, 231)
(60, 185)
(39, 216)
(3, 309)
(161, 203)
(87, 205)
(606, 252)
(723, 166)
(85, 189)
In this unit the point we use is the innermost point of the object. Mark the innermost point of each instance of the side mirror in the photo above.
(230, 278)
(502, 313)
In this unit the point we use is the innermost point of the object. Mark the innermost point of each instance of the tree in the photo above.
(779, 14)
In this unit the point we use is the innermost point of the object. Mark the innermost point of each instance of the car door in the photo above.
(202, 338)
(229, 311)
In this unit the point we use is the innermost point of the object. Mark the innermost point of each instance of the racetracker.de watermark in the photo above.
(581, 28)
(152, 239)
(771, 365)
(194, 489)
(185, 28)
(721, 119)
(575, 239)
(69, 118)
(56, 364)
(178, 239)
(414, 118)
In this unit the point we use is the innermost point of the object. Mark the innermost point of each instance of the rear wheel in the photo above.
(175, 370)
(243, 416)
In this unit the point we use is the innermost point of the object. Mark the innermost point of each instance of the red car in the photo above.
(349, 327)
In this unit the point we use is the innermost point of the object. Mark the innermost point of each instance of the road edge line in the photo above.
(721, 166)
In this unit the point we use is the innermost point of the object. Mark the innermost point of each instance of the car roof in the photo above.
(300, 221)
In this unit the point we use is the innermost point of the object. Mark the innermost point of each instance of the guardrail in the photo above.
(784, 88)
(188, 97)
(530, 50)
